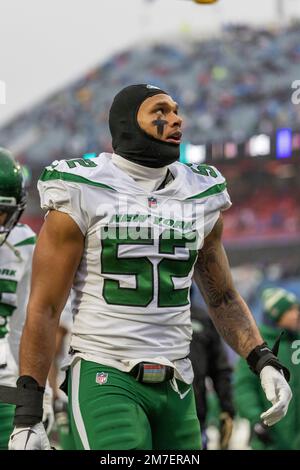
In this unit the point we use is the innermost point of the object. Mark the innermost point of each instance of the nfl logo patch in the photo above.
(101, 378)
(152, 202)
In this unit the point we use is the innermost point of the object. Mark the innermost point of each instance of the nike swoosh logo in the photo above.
(183, 395)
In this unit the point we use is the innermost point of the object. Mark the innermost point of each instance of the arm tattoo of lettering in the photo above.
(227, 309)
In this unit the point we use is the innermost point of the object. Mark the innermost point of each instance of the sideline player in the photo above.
(17, 242)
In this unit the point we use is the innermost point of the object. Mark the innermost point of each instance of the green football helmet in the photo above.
(12, 193)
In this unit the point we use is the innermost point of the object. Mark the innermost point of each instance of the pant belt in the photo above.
(148, 372)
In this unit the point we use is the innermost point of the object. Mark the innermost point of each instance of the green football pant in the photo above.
(123, 414)
(6, 424)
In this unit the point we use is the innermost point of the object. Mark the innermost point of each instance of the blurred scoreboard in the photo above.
(282, 145)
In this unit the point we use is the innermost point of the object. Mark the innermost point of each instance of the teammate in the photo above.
(127, 230)
(16, 248)
(281, 314)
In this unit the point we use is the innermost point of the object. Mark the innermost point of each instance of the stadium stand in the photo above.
(228, 87)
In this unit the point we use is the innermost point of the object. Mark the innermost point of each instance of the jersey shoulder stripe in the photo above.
(77, 170)
(27, 241)
(212, 191)
(49, 175)
(201, 181)
(22, 235)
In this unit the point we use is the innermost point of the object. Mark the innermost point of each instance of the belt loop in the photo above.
(140, 372)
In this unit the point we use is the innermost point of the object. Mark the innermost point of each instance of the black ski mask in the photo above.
(128, 139)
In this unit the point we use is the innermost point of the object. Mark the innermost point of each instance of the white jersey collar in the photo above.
(148, 178)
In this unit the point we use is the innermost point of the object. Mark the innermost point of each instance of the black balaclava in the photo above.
(128, 139)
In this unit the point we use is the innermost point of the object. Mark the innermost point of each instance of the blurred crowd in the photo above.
(229, 87)
(266, 201)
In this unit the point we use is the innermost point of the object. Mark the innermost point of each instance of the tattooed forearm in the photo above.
(236, 325)
(227, 309)
(216, 284)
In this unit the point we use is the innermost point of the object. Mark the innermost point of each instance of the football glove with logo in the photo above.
(29, 438)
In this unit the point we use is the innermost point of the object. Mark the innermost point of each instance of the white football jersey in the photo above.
(15, 275)
(131, 290)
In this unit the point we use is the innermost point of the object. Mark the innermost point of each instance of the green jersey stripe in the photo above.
(27, 241)
(48, 175)
(217, 188)
(8, 286)
(6, 310)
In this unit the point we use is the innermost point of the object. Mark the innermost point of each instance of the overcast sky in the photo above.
(44, 44)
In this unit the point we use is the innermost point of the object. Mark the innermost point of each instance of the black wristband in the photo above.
(29, 409)
(262, 356)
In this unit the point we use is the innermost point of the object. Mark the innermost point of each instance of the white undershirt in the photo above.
(148, 178)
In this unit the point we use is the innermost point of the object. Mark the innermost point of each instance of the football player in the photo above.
(16, 247)
(17, 242)
(128, 230)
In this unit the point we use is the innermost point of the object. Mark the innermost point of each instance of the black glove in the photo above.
(262, 432)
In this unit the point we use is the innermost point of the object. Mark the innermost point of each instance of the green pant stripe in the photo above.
(76, 406)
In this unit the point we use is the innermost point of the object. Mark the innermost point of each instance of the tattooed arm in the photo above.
(228, 310)
(237, 326)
